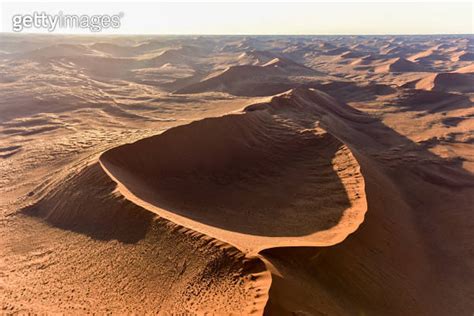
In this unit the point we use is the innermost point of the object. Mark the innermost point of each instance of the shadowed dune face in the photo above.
(256, 167)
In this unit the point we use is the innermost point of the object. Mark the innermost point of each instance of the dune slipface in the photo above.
(228, 177)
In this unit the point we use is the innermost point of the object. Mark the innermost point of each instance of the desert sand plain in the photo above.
(276, 175)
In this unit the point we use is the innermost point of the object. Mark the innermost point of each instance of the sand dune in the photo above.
(57, 51)
(423, 54)
(466, 69)
(386, 234)
(432, 101)
(464, 56)
(399, 65)
(352, 54)
(336, 51)
(366, 60)
(265, 163)
(256, 58)
(234, 284)
(350, 91)
(115, 50)
(270, 78)
(181, 55)
(467, 56)
(462, 82)
(236, 175)
(206, 183)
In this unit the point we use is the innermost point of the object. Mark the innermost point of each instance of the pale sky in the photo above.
(262, 18)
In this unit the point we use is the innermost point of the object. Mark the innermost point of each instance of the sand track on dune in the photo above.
(267, 177)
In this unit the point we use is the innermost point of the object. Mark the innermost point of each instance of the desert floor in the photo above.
(297, 175)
